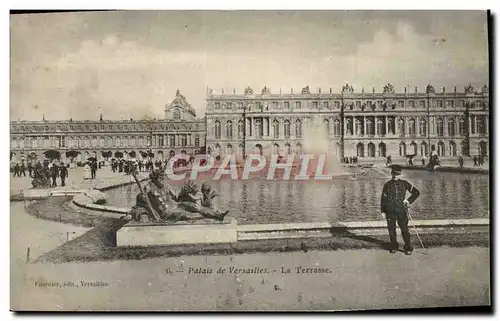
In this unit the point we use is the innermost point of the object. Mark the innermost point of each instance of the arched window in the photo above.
(349, 126)
(177, 113)
(451, 127)
(441, 149)
(402, 149)
(380, 127)
(298, 128)
(481, 124)
(327, 126)
(483, 148)
(217, 130)
(370, 127)
(240, 129)
(360, 150)
(141, 141)
(288, 149)
(229, 129)
(390, 125)
(298, 149)
(101, 142)
(229, 149)
(259, 127)
(401, 126)
(411, 127)
(336, 127)
(371, 150)
(276, 129)
(286, 125)
(381, 150)
(276, 149)
(440, 127)
(424, 149)
(453, 149)
(423, 127)
(461, 126)
(87, 141)
(413, 148)
(359, 127)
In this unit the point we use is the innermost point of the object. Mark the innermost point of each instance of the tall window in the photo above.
(440, 127)
(217, 129)
(287, 105)
(411, 125)
(359, 127)
(101, 142)
(217, 105)
(481, 124)
(315, 104)
(422, 104)
(276, 129)
(423, 127)
(401, 126)
(370, 127)
(229, 105)
(349, 126)
(172, 140)
(298, 128)
(297, 105)
(461, 127)
(286, 125)
(325, 105)
(161, 141)
(411, 103)
(451, 127)
(196, 141)
(380, 127)
(336, 127)
(327, 126)
(275, 105)
(229, 129)
(240, 128)
(184, 140)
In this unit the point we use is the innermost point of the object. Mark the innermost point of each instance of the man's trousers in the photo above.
(402, 220)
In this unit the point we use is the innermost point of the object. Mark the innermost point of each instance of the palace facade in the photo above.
(364, 124)
(347, 123)
(179, 131)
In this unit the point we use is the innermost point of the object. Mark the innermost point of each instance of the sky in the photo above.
(129, 64)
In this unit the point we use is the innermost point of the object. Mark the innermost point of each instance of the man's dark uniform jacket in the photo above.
(393, 195)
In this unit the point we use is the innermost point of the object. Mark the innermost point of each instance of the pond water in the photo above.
(443, 196)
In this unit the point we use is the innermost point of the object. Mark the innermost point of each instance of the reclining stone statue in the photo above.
(163, 204)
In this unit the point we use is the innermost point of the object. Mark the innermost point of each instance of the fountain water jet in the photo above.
(317, 141)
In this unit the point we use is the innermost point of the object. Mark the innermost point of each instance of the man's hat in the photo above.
(396, 169)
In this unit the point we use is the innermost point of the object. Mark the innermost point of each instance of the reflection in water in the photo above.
(443, 195)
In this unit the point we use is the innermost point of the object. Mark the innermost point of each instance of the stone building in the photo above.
(364, 124)
(76, 140)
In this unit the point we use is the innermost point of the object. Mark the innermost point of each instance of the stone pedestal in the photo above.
(134, 234)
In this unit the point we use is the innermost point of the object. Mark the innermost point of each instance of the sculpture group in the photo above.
(158, 202)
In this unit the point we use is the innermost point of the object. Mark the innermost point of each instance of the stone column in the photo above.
(470, 124)
(445, 126)
(486, 127)
(364, 126)
(376, 125)
(386, 125)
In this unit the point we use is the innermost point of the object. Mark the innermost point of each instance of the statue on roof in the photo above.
(430, 89)
(389, 89)
(266, 90)
(347, 88)
(248, 91)
(484, 90)
(469, 89)
(305, 90)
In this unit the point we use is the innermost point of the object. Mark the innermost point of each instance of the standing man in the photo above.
(63, 173)
(394, 206)
(460, 161)
(22, 170)
(16, 170)
(54, 171)
(30, 169)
